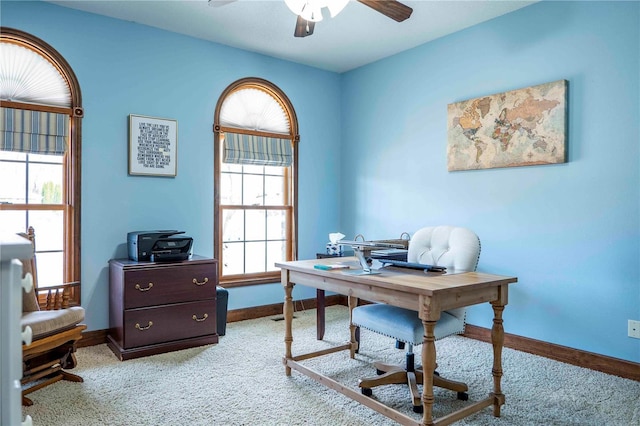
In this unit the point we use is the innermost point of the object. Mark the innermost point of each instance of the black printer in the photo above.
(158, 246)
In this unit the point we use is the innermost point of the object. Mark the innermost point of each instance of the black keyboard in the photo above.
(412, 265)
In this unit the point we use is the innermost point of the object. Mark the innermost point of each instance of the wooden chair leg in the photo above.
(449, 384)
(60, 375)
(416, 397)
(70, 377)
(40, 385)
(389, 378)
(383, 367)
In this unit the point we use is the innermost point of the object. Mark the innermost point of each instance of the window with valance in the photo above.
(40, 113)
(255, 135)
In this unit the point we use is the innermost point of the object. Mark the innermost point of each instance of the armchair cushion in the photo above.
(45, 323)
(401, 324)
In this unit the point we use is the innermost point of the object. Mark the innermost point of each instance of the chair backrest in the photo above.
(453, 247)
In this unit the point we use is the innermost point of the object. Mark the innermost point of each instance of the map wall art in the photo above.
(523, 127)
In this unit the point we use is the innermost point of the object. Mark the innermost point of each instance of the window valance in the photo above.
(35, 132)
(257, 150)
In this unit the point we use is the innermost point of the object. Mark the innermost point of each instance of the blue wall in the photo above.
(126, 68)
(569, 232)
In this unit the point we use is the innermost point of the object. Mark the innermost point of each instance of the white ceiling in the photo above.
(357, 36)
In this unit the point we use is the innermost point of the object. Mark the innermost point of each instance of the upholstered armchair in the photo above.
(457, 249)
(55, 328)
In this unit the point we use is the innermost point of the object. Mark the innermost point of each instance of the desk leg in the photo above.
(288, 317)
(320, 314)
(354, 331)
(428, 367)
(497, 339)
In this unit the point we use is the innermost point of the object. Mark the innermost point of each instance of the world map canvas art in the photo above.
(523, 127)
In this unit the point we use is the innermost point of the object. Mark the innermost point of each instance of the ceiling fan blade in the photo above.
(391, 8)
(303, 27)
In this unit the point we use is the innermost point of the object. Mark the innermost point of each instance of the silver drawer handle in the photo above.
(144, 328)
(204, 317)
(144, 289)
(196, 282)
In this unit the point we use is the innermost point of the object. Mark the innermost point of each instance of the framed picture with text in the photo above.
(153, 146)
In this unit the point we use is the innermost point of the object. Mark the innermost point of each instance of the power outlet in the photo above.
(634, 329)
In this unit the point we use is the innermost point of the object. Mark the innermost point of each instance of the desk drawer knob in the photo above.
(139, 327)
(196, 282)
(204, 317)
(144, 289)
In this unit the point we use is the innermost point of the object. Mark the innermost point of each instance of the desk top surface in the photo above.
(409, 280)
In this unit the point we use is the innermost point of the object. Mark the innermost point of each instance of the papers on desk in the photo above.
(372, 244)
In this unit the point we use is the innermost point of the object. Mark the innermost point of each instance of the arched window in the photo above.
(40, 134)
(255, 182)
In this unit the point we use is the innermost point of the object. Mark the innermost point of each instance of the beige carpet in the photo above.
(241, 381)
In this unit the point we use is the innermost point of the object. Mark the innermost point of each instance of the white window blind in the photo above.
(254, 109)
(26, 76)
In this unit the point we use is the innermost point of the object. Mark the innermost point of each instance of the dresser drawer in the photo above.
(169, 284)
(166, 323)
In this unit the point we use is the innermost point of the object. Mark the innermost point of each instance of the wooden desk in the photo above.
(426, 294)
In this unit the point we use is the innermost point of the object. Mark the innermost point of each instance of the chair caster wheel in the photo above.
(463, 396)
(418, 409)
(366, 391)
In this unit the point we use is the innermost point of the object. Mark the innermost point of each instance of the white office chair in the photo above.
(452, 247)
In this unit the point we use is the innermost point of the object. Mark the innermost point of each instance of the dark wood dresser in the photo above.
(160, 307)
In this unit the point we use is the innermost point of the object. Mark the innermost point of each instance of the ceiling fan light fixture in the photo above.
(311, 10)
(336, 6)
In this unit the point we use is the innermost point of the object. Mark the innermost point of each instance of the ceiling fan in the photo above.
(310, 11)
